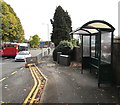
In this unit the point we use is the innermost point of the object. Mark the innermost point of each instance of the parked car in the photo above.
(22, 55)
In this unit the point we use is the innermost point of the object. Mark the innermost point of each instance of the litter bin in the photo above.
(64, 60)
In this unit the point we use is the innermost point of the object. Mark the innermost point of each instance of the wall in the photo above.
(77, 54)
(116, 59)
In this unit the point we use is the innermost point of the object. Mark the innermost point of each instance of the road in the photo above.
(16, 80)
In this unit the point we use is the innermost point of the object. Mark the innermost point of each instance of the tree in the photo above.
(61, 26)
(69, 23)
(35, 41)
(11, 28)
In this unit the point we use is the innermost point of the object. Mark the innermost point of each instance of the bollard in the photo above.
(58, 56)
(49, 50)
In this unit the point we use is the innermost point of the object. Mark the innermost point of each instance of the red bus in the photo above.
(10, 50)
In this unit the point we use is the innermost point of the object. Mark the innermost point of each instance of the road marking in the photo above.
(34, 87)
(36, 91)
(39, 82)
(2, 79)
(13, 73)
(8, 77)
(2, 102)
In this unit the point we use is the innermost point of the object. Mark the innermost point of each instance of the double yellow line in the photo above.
(38, 78)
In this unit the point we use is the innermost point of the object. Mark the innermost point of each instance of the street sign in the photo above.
(42, 43)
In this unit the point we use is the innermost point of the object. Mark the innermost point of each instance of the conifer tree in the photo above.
(61, 26)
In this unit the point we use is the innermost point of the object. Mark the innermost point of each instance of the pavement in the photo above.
(66, 84)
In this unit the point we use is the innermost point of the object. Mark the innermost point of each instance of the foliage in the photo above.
(61, 26)
(47, 42)
(11, 29)
(65, 47)
(35, 41)
(69, 23)
(75, 42)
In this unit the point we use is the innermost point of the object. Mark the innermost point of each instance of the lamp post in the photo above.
(47, 36)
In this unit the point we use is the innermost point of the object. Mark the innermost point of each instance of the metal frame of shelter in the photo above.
(97, 49)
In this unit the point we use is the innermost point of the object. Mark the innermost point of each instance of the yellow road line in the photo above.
(36, 91)
(2, 79)
(41, 73)
(35, 81)
(8, 76)
(13, 72)
(36, 74)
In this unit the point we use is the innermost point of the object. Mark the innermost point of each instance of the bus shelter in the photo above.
(97, 46)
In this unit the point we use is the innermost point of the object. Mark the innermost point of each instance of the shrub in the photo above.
(65, 47)
(75, 42)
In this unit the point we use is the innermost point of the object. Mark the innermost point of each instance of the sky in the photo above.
(35, 15)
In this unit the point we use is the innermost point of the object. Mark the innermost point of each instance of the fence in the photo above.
(36, 59)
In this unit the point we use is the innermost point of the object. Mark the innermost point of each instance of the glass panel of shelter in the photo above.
(86, 46)
(91, 50)
(106, 47)
(93, 46)
(95, 53)
(85, 51)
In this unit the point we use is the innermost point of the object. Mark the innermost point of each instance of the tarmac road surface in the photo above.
(16, 81)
